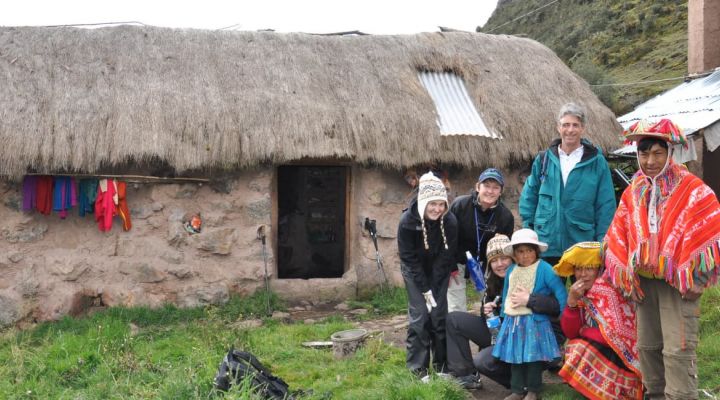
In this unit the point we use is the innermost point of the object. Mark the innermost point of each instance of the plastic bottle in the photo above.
(493, 323)
(476, 273)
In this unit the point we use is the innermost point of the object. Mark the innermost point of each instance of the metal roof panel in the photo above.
(456, 113)
(692, 105)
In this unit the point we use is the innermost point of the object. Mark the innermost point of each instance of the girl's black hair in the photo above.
(534, 246)
(648, 142)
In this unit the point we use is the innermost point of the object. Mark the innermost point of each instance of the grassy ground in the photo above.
(173, 354)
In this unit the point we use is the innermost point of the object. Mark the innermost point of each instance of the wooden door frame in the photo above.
(274, 209)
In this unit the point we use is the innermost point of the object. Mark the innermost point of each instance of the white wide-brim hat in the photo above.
(526, 236)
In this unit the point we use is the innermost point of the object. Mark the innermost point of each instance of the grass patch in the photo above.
(387, 301)
(168, 353)
(709, 347)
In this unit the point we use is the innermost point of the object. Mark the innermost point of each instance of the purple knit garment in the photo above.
(29, 192)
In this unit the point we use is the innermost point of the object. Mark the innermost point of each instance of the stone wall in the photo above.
(50, 267)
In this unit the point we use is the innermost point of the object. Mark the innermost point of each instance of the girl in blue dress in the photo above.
(526, 340)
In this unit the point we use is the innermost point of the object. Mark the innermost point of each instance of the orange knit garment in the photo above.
(688, 238)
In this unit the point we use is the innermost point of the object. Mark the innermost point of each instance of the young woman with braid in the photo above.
(427, 241)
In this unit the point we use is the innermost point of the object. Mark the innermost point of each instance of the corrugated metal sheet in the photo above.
(457, 114)
(692, 105)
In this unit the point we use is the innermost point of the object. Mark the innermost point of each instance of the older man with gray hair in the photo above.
(568, 197)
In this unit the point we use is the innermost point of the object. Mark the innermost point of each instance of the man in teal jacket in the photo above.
(568, 197)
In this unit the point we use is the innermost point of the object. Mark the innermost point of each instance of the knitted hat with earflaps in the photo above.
(496, 247)
(430, 189)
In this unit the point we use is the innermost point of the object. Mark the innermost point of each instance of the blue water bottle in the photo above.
(476, 273)
(493, 323)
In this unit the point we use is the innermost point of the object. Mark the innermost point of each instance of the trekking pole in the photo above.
(371, 227)
(261, 236)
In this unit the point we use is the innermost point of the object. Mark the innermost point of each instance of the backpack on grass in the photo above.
(240, 365)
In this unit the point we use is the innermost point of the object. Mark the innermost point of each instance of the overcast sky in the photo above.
(314, 16)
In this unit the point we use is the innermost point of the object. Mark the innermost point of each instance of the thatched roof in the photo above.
(80, 100)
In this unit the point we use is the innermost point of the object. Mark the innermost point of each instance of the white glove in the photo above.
(429, 300)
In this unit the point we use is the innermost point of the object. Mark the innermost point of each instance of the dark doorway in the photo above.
(711, 168)
(311, 222)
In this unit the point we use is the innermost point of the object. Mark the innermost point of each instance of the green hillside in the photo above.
(606, 41)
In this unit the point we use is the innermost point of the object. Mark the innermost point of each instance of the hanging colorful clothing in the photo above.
(601, 357)
(87, 193)
(44, 194)
(64, 195)
(105, 204)
(29, 192)
(122, 207)
(686, 249)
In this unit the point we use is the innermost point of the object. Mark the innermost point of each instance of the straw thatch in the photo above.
(81, 100)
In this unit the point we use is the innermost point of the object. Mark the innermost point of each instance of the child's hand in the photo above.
(519, 297)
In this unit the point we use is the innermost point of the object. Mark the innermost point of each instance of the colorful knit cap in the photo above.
(496, 247)
(431, 188)
(664, 130)
(583, 254)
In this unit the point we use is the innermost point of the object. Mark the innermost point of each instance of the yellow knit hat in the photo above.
(583, 254)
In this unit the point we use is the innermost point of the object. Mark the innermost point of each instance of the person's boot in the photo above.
(531, 396)
(471, 382)
(515, 396)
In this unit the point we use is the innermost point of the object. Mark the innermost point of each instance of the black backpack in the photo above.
(240, 365)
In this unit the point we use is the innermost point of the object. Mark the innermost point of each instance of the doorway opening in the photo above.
(311, 221)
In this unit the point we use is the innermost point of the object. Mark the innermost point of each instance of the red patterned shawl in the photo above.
(687, 246)
(616, 319)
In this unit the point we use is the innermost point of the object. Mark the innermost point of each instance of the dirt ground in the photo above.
(393, 331)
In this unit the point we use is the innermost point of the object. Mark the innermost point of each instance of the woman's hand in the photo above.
(576, 292)
(519, 297)
(489, 308)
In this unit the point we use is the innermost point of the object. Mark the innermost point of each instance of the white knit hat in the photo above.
(430, 189)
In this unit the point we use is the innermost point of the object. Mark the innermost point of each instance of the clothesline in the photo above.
(130, 178)
(103, 197)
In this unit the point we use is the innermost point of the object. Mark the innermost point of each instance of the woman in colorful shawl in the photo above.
(663, 250)
(601, 360)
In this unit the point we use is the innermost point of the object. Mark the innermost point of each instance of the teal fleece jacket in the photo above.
(580, 211)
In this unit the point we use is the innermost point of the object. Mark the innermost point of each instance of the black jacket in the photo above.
(427, 267)
(493, 220)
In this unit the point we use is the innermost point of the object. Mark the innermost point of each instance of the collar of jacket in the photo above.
(589, 149)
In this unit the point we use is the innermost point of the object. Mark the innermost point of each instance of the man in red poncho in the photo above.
(663, 250)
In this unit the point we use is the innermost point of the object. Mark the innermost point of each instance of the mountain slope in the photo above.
(606, 41)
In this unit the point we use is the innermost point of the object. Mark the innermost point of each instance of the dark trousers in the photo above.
(426, 330)
(526, 376)
(463, 327)
(493, 368)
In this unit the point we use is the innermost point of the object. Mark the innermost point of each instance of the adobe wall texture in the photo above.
(703, 33)
(50, 267)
